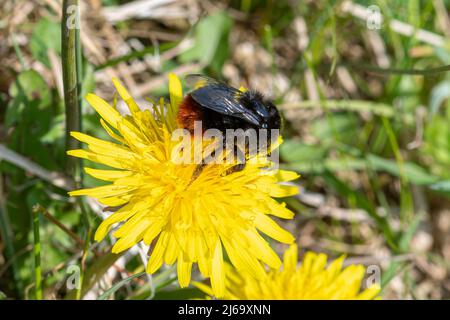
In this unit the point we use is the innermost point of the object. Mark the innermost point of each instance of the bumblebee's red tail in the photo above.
(188, 113)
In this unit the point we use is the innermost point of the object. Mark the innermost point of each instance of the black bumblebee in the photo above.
(219, 106)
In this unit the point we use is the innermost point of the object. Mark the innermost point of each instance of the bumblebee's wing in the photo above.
(224, 99)
(220, 97)
(198, 80)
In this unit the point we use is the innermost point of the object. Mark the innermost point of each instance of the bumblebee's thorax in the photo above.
(265, 110)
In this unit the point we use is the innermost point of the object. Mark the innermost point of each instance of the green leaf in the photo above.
(56, 132)
(438, 95)
(390, 272)
(31, 87)
(333, 165)
(415, 173)
(408, 234)
(211, 41)
(437, 144)
(342, 127)
(46, 35)
(108, 3)
(443, 186)
(294, 151)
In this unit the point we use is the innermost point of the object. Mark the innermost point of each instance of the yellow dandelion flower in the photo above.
(312, 280)
(186, 218)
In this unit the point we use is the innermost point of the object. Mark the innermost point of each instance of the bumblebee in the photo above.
(219, 106)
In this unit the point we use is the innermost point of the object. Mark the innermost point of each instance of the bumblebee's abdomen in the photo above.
(221, 122)
(189, 112)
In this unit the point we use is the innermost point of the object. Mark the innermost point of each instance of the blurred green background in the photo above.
(366, 113)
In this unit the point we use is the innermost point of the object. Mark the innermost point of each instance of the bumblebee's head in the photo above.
(273, 120)
(265, 109)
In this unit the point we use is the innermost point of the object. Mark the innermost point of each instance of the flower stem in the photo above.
(69, 39)
(72, 69)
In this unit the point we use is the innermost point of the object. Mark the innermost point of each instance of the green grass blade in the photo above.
(37, 255)
(119, 285)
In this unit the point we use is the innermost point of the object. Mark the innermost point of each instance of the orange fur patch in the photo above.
(188, 113)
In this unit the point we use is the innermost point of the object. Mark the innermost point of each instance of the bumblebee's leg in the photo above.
(236, 168)
(240, 157)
